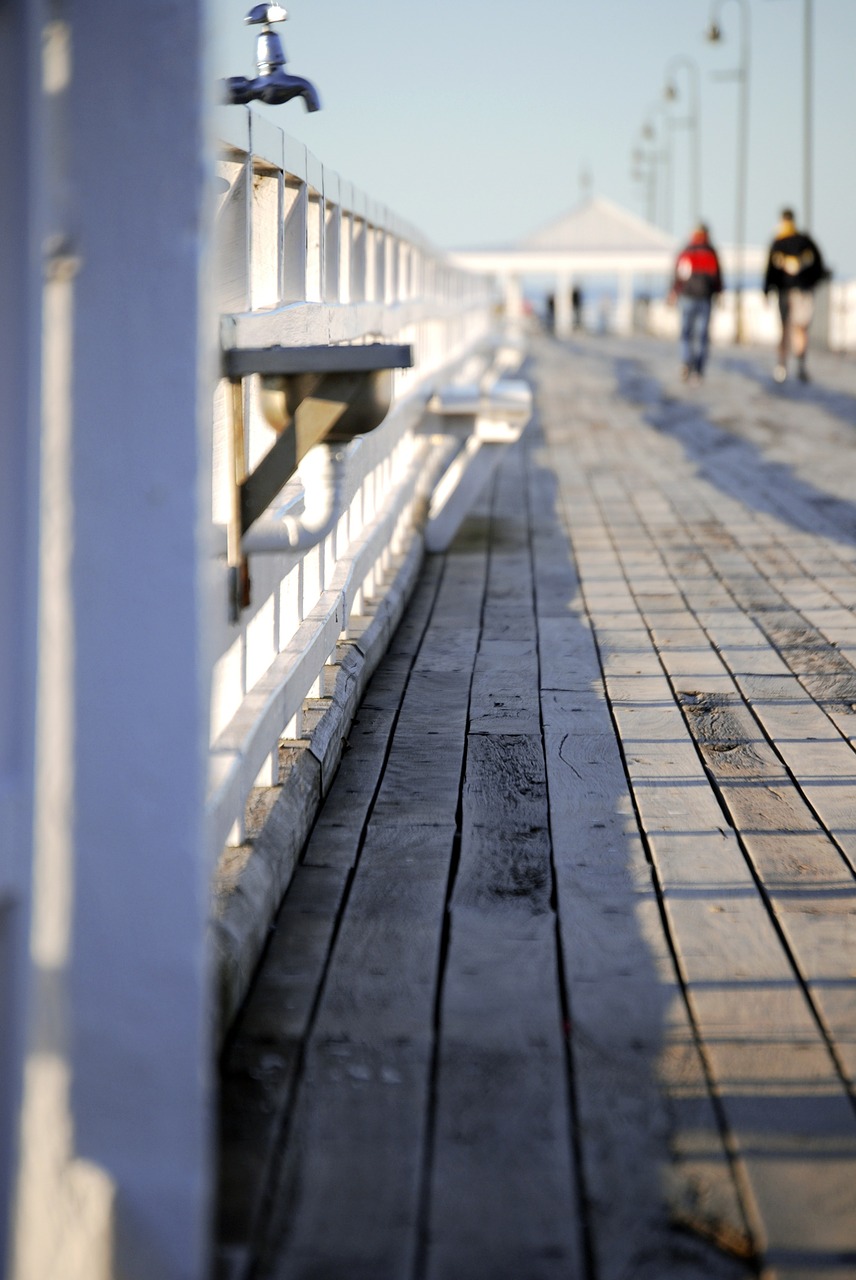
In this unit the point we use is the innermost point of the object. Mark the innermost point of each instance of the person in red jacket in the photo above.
(697, 280)
(794, 269)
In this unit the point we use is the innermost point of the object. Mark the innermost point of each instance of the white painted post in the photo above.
(296, 200)
(513, 287)
(113, 1176)
(332, 240)
(563, 314)
(624, 306)
(20, 280)
(314, 240)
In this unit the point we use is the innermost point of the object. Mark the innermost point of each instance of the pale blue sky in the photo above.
(475, 118)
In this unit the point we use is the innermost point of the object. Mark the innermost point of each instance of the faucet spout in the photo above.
(273, 84)
(275, 89)
(281, 87)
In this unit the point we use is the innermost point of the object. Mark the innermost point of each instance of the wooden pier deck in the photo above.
(565, 984)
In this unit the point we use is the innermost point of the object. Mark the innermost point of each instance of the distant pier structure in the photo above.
(599, 242)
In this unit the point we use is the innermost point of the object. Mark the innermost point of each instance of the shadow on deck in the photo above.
(564, 983)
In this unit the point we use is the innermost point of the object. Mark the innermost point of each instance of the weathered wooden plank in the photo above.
(805, 929)
(566, 651)
(645, 1114)
(349, 1195)
(336, 835)
(505, 852)
(367, 1061)
(422, 775)
(261, 1060)
(555, 578)
(383, 975)
(502, 1192)
(504, 690)
(445, 660)
(421, 780)
(461, 594)
(503, 1198)
(338, 829)
(792, 855)
(347, 1200)
(642, 1099)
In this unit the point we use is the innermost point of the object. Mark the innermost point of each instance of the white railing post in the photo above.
(114, 1173)
(295, 207)
(314, 247)
(21, 225)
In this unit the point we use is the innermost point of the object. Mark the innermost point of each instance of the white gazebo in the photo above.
(595, 238)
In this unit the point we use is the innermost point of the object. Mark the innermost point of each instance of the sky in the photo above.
(478, 120)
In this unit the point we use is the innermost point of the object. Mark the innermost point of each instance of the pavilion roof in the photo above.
(598, 225)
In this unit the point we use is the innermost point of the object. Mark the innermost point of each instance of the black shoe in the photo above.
(802, 374)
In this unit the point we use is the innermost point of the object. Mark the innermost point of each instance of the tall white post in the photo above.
(513, 290)
(20, 35)
(624, 306)
(563, 312)
(112, 1175)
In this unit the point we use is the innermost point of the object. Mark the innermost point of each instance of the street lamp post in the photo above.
(692, 120)
(808, 90)
(741, 75)
(808, 102)
(644, 169)
(661, 155)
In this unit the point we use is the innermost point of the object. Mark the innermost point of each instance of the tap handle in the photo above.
(266, 13)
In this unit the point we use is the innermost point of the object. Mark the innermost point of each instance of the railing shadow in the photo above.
(777, 1111)
(839, 404)
(730, 462)
(658, 1200)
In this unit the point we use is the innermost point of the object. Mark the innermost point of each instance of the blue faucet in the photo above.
(273, 84)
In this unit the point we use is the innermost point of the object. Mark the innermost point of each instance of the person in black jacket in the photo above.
(794, 269)
(696, 281)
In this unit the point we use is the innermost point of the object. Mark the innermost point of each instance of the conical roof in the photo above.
(597, 225)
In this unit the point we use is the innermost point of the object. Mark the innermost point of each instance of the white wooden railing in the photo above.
(305, 259)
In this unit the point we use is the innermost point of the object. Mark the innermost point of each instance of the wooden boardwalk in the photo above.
(565, 985)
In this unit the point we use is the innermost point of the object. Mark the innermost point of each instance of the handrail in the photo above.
(311, 267)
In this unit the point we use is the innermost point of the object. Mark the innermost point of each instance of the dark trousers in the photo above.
(695, 332)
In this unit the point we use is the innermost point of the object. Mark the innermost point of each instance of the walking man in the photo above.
(697, 280)
(794, 268)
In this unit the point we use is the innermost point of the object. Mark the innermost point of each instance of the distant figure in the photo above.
(577, 306)
(696, 282)
(795, 268)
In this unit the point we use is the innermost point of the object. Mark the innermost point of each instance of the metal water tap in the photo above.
(273, 84)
